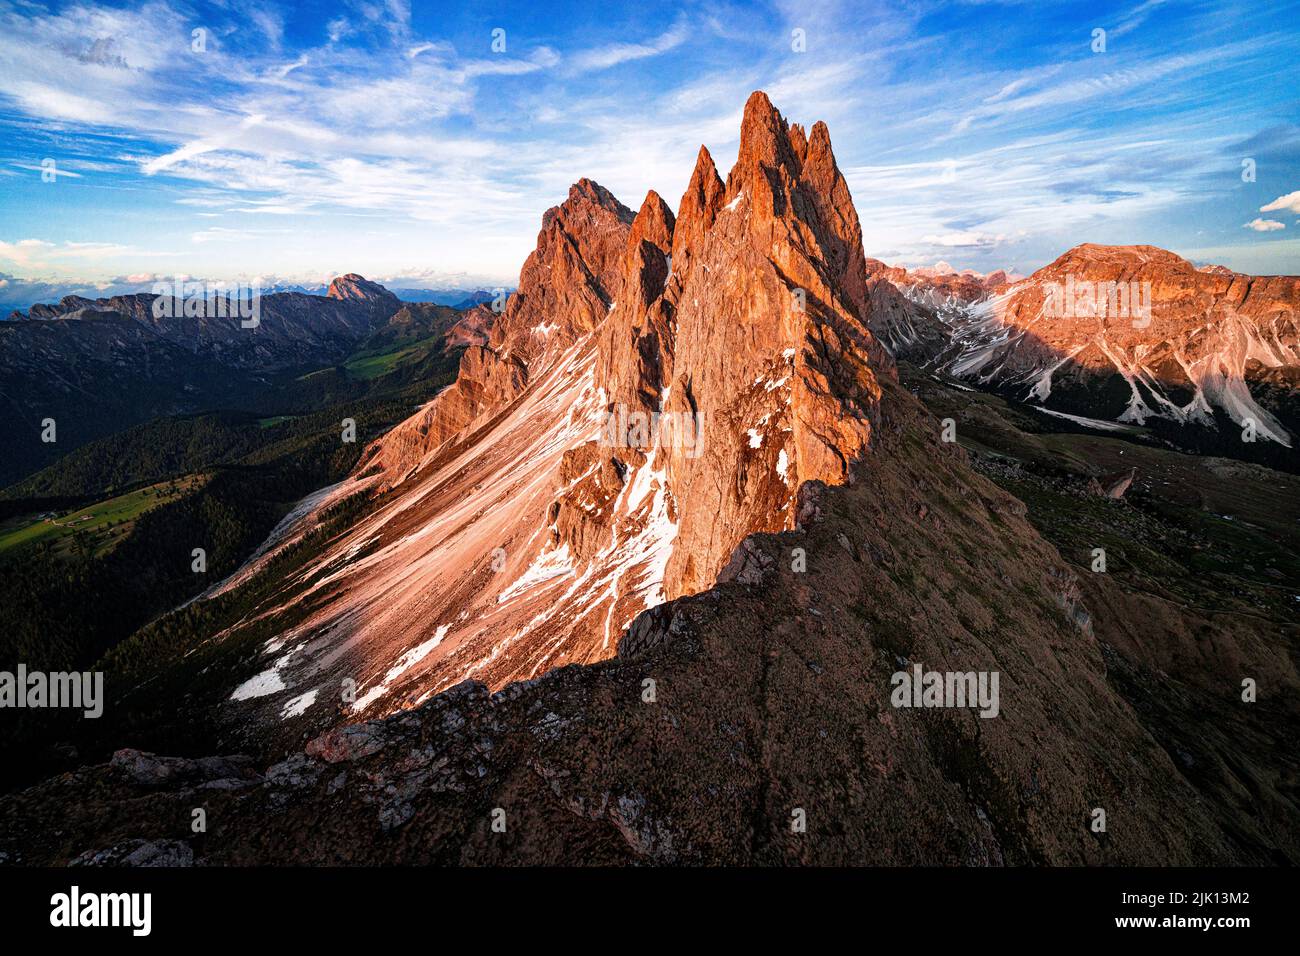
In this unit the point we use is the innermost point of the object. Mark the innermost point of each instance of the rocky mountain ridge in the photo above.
(725, 717)
(95, 366)
(1130, 335)
(291, 329)
(516, 531)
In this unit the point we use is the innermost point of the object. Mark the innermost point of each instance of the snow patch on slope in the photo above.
(404, 663)
(297, 706)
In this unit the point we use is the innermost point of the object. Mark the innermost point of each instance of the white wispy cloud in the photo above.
(968, 239)
(1290, 203)
(221, 234)
(604, 57)
(281, 72)
(1130, 84)
(1134, 18)
(1264, 225)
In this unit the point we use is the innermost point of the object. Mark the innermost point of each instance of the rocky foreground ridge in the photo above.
(724, 713)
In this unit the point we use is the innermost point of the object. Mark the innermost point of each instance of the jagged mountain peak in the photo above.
(799, 140)
(654, 223)
(591, 191)
(772, 278)
(743, 363)
(587, 200)
(764, 136)
(818, 159)
(581, 239)
(698, 207)
(704, 166)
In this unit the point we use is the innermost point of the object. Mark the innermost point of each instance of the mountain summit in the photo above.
(658, 388)
(355, 288)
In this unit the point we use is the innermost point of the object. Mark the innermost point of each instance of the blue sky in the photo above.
(391, 139)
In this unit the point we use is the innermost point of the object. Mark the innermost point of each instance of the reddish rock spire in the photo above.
(764, 136)
(649, 244)
(589, 191)
(842, 241)
(750, 344)
(798, 141)
(769, 342)
(566, 287)
(654, 224)
(700, 204)
(636, 342)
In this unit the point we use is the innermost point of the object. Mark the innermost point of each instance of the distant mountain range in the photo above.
(17, 296)
(95, 366)
(1116, 338)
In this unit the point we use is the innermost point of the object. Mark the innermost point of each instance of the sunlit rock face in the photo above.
(659, 387)
(1134, 335)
